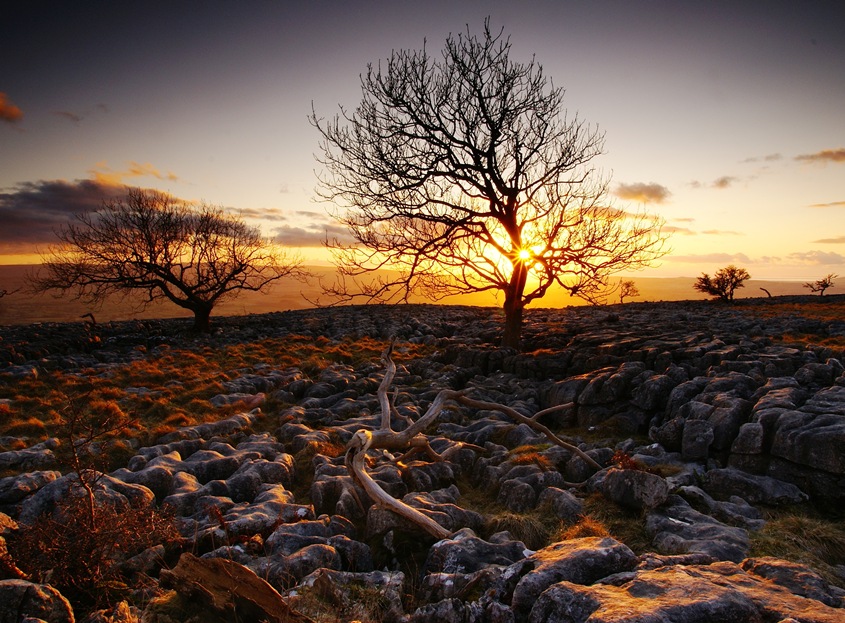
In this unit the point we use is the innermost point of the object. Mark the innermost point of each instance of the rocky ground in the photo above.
(700, 419)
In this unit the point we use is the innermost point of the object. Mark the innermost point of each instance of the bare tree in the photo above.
(462, 173)
(724, 283)
(164, 248)
(627, 289)
(822, 284)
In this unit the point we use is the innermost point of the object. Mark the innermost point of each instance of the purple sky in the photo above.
(726, 118)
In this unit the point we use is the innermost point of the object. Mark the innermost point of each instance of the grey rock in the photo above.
(696, 440)
(634, 488)
(20, 599)
(727, 482)
(580, 561)
(677, 528)
(13, 489)
(464, 552)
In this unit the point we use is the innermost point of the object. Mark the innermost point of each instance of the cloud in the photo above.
(106, 175)
(724, 182)
(264, 214)
(837, 240)
(713, 258)
(8, 111)
(767, 158)
(832, 204)
(684, 231)
(721, 232)
(818, 258)
(686, 219)
(311, 235)
(72, 117)
(643, 193)
(33, 211)
(824, 156)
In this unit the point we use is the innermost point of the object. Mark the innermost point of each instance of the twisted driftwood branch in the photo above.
(411, 441)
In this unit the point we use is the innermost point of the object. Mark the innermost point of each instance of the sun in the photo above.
(524, 255)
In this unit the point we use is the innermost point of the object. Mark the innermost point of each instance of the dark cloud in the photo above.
(72, 117)
(265, 214)
(311, 235)
(723, 182)
(713, 258)
(832, 204)
(824, 156)
(643, 193)
(33, 211)
(8, 111)
(818, 258)
(837, 240)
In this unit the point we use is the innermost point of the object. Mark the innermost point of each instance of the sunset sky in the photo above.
(725, 118)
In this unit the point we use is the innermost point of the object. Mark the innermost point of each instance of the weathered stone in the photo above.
(697, 437)
(797, 579)
(582, 561)
(634, 488)
(20, 599)
(726, 482)
(464, 552)
(13, 489)
(564, 505)
(677, 528)
(717, 592)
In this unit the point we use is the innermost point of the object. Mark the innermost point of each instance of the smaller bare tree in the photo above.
(151, 243)
(627, 289)
(822, 284)
(724, 283)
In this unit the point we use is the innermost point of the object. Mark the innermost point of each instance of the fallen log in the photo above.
(229, 590)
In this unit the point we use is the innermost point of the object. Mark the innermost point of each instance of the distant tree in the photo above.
(822, 284)
(724, 283)
(462, 173)
(627, 288)
(149, 242)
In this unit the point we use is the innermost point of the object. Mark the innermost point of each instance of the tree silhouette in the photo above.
(164, 248)
(724, 283)
(462, 173)
(627, 289)
(822, 284)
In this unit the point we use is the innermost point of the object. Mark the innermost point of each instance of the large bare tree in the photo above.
(164, 248)
(462, 173)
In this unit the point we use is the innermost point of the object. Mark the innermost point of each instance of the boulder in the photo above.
(723, 483)
(581, 561)
(634, 488)
(20, 599)
(717, 592)
(677, 528)
(464, 553)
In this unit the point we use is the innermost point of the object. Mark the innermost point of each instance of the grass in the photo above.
(804, 538)
(824, 309)
(172, 388)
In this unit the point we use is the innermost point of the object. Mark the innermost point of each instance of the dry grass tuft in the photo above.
(525, 527)
(813, 541)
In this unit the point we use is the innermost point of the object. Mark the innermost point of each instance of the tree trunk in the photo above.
(202, 319)
(514, 305)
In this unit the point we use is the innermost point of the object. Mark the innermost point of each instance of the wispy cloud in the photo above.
(70, 116)
(713, 258)
(818, 258)
(724, 182)
(837, 240)
(33, 211)
(832, 204)
(312, 235)
(106, 175)
(721, 232)
(264, 214)
(8, 111)
(643, 193)
(683, 231)
(824, 156)
(766, 158)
